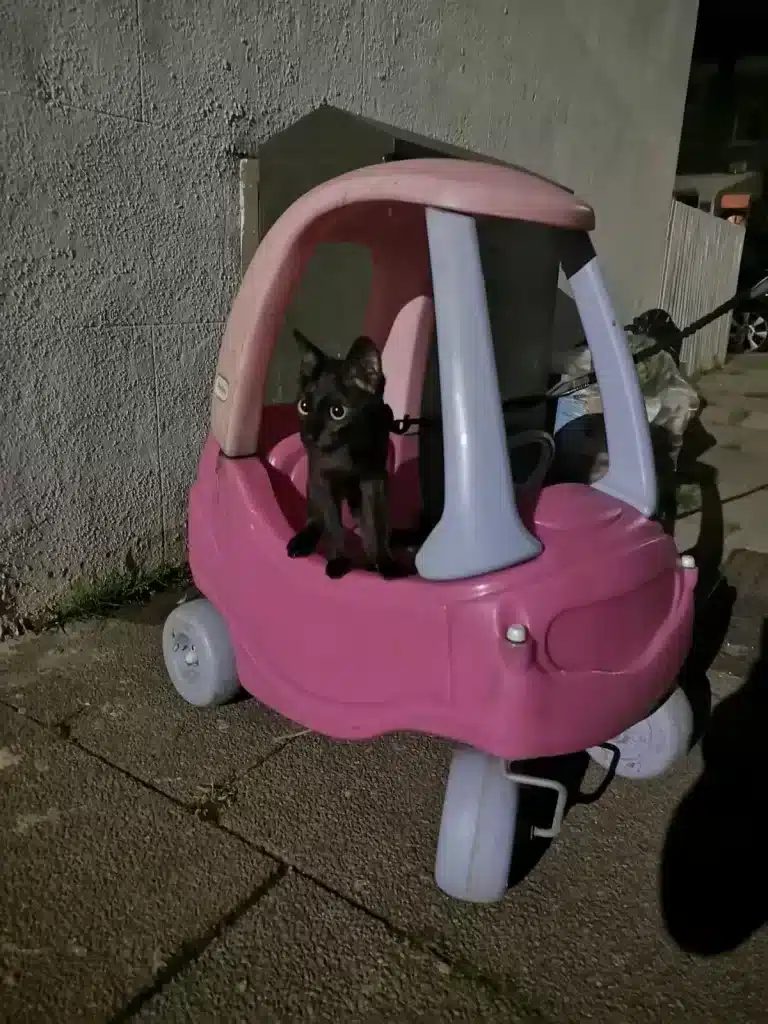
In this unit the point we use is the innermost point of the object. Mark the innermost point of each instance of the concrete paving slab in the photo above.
(302, 954)
(728, 408)
(736, 417)
(746, 522)
(108, 681)
(746, 363)
(103, 881)
(736, 396)
(741, 438)
(738, 473)
(745, 525)
(723, 683)
(748, 573)
(749, 414)
(53, 676)
(581, 937)
(687, 531)
(749, 381)
(756, 420)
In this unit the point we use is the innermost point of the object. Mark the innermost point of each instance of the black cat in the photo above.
(345, 426)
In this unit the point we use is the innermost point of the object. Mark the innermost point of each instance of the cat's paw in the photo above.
(390, 569)
(303, 543)
(337, 567)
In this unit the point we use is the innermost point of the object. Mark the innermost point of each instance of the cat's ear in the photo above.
(364, 366)
(311, 356)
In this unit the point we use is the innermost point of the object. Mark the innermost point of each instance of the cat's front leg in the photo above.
(374, 528)
(304, 543)
(325, 502)
(339, 563)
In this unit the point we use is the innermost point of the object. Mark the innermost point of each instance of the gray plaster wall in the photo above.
(121, 128)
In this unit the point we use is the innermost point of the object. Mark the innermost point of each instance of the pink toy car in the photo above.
(538, 623)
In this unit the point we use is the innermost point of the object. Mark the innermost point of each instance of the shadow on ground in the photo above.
(714, 884)
(714, 891)
(710, 544)
(715, 597)
(713, 881)
(537, 806)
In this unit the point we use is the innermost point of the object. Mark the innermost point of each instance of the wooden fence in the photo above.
(701, 268)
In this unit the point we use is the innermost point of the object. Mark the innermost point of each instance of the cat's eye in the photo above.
(303, 406)
(338, 411)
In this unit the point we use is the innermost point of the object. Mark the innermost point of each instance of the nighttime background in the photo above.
(722, 31)
(725, 129)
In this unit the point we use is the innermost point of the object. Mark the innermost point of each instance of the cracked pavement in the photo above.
(168, 863)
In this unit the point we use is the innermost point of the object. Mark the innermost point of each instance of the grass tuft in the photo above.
(98, 598)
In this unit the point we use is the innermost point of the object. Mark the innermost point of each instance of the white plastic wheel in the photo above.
(198, 654)
(652, 746)
(477, 830)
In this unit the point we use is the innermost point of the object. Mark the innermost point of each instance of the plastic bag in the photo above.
(671, 403)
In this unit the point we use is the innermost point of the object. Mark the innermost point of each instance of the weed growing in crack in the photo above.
(98, 598)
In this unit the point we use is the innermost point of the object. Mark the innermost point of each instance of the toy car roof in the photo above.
(463, 186)
(381, 206)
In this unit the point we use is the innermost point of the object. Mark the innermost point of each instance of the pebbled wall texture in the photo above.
(120, 132)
